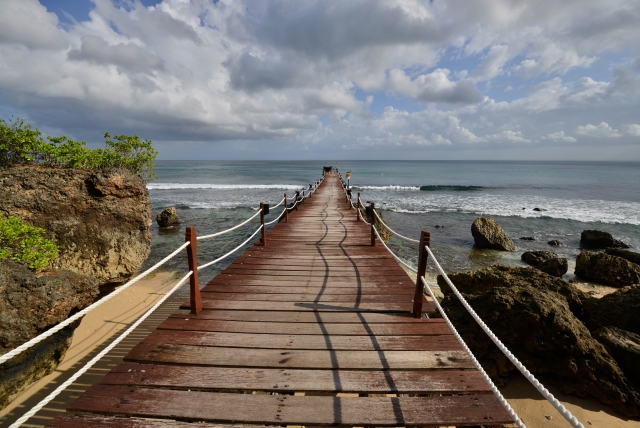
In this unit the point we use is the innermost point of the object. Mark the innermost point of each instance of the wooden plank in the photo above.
(304, 297)
(70, 420)
(307, 306)
(292, 410)
(292, 341)
(145, 352)
(308, 317)
(291, 380)
(306, 289)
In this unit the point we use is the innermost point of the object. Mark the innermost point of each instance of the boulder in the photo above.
(486, 279)
(554, 243)
(631, 256)
(168, 217)
(488, 234)
(539, 209)
(534, 258)
(597, 239)
(29, 305)
(619, 309)
(528, 238)
(540, 330)
(624, 346)
(554, 267)
(99, 219)
(607, 269)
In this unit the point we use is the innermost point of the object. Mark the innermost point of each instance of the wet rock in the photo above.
(527, 238)
(554, 243)
(539, 209)
(631, 256)
(99, 219)
(534, 258)
(554, 267)
(619, 309)
(168, 217)
(607, 269)
(597, 239)
(486, 279)
(624, 346)
(541, 331)
(488, 234)
(29, 305)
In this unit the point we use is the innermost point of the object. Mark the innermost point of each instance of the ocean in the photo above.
(444, 197)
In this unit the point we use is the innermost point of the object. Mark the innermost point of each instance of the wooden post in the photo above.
(373, 221)
(286, 209)
(196, 301)
(358, 208)
(425, 240)
(297, 197)
(263, 240)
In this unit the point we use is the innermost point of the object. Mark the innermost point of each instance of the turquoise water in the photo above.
(214, 195)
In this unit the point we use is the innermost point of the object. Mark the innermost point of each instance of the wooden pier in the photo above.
(313, 328)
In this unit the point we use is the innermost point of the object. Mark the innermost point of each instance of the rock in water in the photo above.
(554, 267)
(619, 309)
(624, 346)
(168, 217)
(540, 330)
(534, 258)
(100, 219)
(606, 269)
(488, 234)
(631, 256)
(597, 239)
(554, 243)
(29, 305)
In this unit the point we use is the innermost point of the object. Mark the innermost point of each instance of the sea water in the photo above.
(444, 197)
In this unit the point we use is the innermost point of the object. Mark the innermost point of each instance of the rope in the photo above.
(393, 254)
(95, 359)
(229, 230)
(484, 374)
(71, 319)
(394, 232)
(277, 218)
(527, 374)
(279, 203)
(230, 252)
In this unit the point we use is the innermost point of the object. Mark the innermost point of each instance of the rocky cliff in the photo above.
(100, 219)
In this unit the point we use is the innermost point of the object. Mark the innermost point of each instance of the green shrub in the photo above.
(25, 244)
(21, 144)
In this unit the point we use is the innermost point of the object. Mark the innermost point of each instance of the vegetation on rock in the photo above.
(25, 244)
(21, 144)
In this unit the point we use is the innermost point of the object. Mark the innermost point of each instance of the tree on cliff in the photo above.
(22, 144)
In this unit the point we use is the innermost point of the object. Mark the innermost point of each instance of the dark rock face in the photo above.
(528, 238)
(554, 243)
(168, 217)
(486, 279)
(597, 239)
(624, 346)
(100, 219)
(488, 234)
(631, 256)
(540, 330)
(29, 305)
(554, 267)
(534, 258)
(620, 309)
(606, 269)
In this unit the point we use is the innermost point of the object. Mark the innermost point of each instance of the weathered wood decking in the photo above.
(314, 328)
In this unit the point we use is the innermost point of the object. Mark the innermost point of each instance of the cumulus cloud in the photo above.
(633, 129)
(603, 130)
(127, 56)
(29, 24)
(560, 136)
(434, 87)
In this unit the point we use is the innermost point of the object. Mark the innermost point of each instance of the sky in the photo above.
(357, 79)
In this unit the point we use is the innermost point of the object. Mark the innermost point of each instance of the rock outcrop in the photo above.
(624, 346)
(29, 305)
(597, 240)
(168, 217)
(607, 269)
(539, 328)
(492, 277)
(488, 234)
(554, 267)
(99, 219)
(631, 256)
(534, 258)
(620, 309)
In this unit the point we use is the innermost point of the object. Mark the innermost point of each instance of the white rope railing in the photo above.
(83, 312)
(393, 254)
(230, 229)
(476, 363)
(277, 218)
(394, 232)
(526, 373)
(230, 252)
(279, 203)
(95, 359)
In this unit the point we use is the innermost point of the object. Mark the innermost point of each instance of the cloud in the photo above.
(560, 136)
(434, 87)
(126, 56)
(633, 129)
(598, 131)
(28, 23)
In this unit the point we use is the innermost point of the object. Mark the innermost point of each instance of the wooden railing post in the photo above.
(297, 197)
(373, 221)
(192, 260)
(263, 240)
(286, 209)
(358, 208)
(425, 240)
